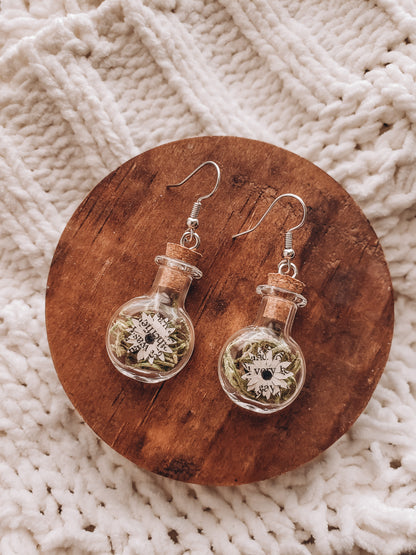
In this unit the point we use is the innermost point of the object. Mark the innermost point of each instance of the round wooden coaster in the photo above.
(187, 428)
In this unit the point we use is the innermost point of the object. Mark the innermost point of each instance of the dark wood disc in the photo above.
(187, 428)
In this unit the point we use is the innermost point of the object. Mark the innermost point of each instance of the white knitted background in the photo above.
(84, 86)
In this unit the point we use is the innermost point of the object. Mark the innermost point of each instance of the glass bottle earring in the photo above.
(261, 368)
(151, 338)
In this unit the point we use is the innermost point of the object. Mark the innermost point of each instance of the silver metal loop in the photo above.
(192, 222)
(288, 252)
(188, 236)
(289, 265)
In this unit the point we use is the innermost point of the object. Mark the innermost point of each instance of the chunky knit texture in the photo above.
(86, 85)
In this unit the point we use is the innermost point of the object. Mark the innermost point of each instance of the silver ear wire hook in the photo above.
(288, 252)
(192, 222)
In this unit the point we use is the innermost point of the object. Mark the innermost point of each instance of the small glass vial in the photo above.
(261, 368)
(151, 338)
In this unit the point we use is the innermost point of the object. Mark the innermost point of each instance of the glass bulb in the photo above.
(151, 338)
(261, 368)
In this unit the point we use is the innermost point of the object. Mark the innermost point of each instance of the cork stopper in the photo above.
(278, 308)
(175, 279)
(174, 250)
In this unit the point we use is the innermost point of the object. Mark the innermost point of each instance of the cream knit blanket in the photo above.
(86, 85)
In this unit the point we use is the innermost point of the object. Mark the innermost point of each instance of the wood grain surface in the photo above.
(186, 428)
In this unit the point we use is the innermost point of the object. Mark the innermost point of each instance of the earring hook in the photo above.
(268, 210)
(192, 222)
(196, 171)
(288, 252)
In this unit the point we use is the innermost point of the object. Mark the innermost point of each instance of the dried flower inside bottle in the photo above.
(261, 367)
(150, 338)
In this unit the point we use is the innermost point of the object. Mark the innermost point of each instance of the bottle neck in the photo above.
(173, 279)
(277, 313)
(171, 286)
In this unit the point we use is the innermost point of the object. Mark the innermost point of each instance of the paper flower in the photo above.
(150, 337)
(266, 375)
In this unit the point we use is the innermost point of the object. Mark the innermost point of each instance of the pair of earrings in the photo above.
(261, 368)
